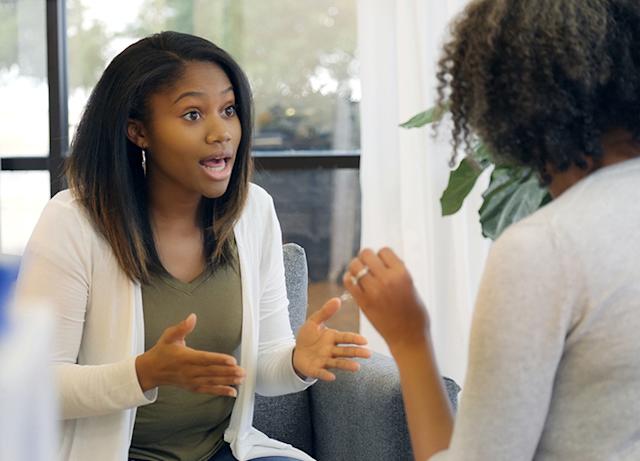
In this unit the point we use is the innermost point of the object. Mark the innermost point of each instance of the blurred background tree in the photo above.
(299, 56)
(8, 34)
(291, 80)
(85, 47)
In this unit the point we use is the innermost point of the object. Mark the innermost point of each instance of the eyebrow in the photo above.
(199, 94)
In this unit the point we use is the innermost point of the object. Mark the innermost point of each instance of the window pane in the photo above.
(306, 97)
(23, 195)
(24, 112)
(320, 210)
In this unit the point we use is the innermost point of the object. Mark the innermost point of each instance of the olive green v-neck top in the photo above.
(184, 425)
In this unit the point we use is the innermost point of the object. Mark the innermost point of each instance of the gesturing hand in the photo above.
(387, 296)
(319, 348)
(171, 362)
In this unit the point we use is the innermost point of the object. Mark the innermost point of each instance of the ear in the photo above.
(137, 133)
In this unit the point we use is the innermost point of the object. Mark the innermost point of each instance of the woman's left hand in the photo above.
(319, 348)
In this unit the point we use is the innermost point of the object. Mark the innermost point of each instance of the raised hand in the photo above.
(171, 362)
(319, 348)
(388, 298)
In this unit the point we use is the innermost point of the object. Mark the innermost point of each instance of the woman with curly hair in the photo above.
(554, 360)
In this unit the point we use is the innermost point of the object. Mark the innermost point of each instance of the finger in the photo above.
(372, 261)
(346, 337)
(326, 312)
(352, 352)
(353, 288)
(179, 331)
(343, 364)
(218, 370)
(389, 258)
(217, 381)
(323, 375)
(358, 295)
(225, 391)
(355, 266)
(205, 358)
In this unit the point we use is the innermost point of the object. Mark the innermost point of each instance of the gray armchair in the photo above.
(358, 417)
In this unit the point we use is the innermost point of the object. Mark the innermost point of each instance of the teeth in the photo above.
(220, 164)
(215, 168)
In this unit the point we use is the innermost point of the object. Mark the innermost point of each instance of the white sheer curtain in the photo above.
(403, 172)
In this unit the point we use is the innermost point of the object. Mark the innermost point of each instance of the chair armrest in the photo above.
(360, 416)
(286, 418)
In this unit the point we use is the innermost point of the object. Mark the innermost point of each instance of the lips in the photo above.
(215, 162)
(217, 167)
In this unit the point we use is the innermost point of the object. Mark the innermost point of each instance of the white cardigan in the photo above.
(100, 329)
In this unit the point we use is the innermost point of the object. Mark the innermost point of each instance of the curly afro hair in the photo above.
(540, 81)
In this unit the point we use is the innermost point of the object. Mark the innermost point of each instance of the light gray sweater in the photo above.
(554, 359)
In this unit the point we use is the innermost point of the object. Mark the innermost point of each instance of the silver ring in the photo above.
(355, 279)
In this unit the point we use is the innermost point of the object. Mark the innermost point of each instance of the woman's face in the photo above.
(193, 134)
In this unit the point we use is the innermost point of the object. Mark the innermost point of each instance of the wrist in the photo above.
(144, 371)
(295, 369)
(409, 345)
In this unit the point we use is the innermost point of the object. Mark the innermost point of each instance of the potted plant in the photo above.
(513, 192)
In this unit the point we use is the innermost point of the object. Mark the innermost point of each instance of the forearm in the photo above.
(429, 415)
(276, 374)
(94, 390)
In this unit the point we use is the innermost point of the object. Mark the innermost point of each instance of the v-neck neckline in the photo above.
(187, 287)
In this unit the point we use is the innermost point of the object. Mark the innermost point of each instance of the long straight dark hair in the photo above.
(104, 169)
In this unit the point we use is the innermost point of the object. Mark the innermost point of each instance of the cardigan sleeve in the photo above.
(56, 269)
(276, 375)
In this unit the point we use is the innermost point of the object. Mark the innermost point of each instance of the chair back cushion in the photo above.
(296, 275)
(287, 418)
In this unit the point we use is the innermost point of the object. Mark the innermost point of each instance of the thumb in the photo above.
(326, 312)
(179, 331)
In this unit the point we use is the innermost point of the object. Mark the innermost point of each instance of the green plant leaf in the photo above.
(482, 155)
(461, 182)
(428, 116)
(513, 193)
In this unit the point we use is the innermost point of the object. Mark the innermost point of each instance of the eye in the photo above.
(192, 116)
(230, 111)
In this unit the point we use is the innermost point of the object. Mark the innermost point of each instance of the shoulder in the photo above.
(537, 254)
(64, 207)
(531, 252)
(259, 203)
(63, 216)
(65, 199)
(63, 234)
(258, 195)
(258, 221)
(584, 217)
(529, 236)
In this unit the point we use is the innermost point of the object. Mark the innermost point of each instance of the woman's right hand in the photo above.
(171, 362)
(388, 297)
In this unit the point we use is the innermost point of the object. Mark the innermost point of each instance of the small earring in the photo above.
(144, 162)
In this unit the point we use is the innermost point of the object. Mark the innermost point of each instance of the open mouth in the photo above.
(215, 163)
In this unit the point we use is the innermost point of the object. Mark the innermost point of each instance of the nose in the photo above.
(218, 132)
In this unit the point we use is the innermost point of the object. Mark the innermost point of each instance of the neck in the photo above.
(171, 207)
(618, 145)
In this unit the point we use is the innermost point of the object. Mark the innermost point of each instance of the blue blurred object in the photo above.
(8, 275)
